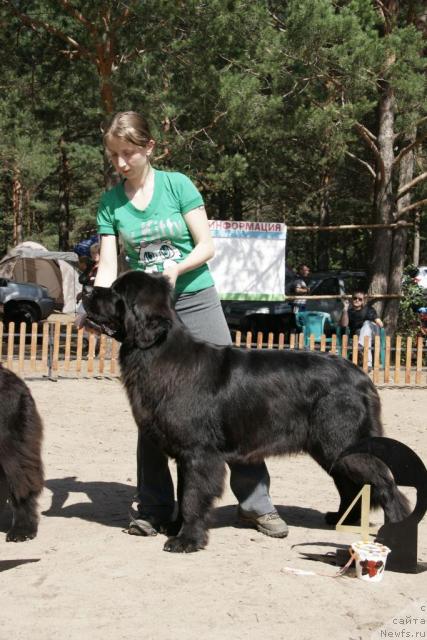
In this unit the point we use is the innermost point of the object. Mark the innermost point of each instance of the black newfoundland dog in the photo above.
(205, 405)
(21, 469)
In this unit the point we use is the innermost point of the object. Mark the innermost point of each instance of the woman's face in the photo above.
(128, 159)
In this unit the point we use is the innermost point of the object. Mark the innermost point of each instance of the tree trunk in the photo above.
(237, 207)
(324, 237)
(380, 264)
(400, 239)
(64, 199)
(106, 89)
(17, 207)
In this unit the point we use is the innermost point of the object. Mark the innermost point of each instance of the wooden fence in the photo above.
(56, 349)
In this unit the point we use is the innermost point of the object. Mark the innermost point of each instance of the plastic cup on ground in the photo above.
(370, 559)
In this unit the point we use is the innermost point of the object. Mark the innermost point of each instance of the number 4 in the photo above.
(365, 496)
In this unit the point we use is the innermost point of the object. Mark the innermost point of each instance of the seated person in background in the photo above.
(299, 287)
(361, 320)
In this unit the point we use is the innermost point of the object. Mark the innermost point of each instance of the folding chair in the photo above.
(316, 323)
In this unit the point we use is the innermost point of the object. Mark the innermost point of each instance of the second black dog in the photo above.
(21, 469)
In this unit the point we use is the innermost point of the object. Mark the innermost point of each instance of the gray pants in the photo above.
(202, 314)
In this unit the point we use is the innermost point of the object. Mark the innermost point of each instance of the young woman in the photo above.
(161, 222)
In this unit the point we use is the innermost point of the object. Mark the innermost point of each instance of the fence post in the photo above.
(408, 360)
(67, 353)
(377, 347)
(397, 359)
(344, 345)
(355, 349)
(49, 350)
(101, 353)
(79, 350)
(55, 353)
(91, 353)
(45, 344)
(419, 365)
(387, 359)
(10, 345)
(22, 336)
(33, 348)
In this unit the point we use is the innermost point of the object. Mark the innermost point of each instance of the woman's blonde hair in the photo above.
(129, 126)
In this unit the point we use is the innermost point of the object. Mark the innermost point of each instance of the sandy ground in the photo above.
(84, 577)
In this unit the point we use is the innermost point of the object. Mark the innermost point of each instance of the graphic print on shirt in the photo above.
(155, 255)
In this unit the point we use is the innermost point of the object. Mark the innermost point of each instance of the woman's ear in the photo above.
(149, 148)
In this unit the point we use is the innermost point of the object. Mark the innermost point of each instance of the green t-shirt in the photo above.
(157, 234)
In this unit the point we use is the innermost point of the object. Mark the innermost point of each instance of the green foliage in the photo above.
(256, 101)
(413, 297)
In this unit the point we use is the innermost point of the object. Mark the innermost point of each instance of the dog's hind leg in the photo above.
(357, 470)
(201, 480)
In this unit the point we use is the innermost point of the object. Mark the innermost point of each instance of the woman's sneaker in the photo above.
(141, 527)
(270, 524)
(141, 524)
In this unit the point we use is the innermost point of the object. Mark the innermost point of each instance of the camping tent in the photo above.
(55, 270)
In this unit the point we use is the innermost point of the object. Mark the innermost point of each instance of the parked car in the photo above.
(24, 302)
(272, 316)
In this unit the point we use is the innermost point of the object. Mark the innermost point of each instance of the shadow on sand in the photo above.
(108, 504)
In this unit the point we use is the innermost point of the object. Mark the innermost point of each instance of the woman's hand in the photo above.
(171, 271)
(80, 319)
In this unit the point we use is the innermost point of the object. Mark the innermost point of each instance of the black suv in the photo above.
(268, 316)
(24, 302)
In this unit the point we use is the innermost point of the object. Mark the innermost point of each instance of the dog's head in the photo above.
(137, 308)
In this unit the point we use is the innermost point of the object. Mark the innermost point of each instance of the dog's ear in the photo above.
(144, 328)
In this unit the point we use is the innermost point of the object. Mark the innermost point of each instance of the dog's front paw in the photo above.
(181, 544)
(20, 535)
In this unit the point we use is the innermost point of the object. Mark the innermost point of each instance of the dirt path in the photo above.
(84, 578)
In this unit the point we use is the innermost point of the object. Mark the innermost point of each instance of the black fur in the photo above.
(21, 469)
(204, 405)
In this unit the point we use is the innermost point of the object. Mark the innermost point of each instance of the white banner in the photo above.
(249, 260)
